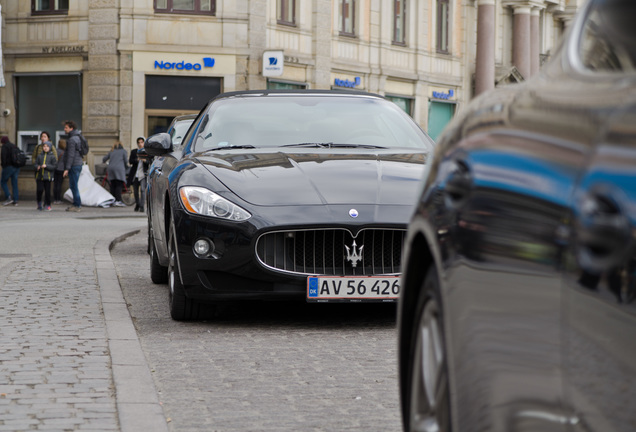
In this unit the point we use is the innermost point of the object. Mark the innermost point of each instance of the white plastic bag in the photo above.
(91, 193)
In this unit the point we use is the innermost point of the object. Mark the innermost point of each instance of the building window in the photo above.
(49, 6)
(284, 85)
(286, 12)
(439, 115)
(406, 104)
(44, 102)
(205, 7)
(347, 17)
(442, 26)
(399, 22)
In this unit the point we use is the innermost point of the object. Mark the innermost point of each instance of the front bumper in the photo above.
(232, 270)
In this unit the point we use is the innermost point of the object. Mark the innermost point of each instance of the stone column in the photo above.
(535, 39)
(252, 78)
(322, 44)
(521, 40)
(102, 121)
(485, 61)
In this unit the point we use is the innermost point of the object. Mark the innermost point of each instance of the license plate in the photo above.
(354, 289)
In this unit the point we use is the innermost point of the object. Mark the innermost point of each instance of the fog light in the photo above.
(202, 247)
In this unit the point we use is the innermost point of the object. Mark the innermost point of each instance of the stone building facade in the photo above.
(123, 68)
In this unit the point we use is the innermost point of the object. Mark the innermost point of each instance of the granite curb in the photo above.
(136, 397)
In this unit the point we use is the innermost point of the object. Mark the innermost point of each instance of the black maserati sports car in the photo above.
(284, 195)
(517, 308)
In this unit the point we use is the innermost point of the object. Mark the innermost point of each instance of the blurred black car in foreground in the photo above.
(284, 195)
(518, 302)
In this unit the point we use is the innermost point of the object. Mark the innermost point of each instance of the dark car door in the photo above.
(507, 198)
(158, 186)
(601, 282)
(600, 331)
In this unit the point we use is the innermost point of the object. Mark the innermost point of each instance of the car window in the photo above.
(608, 37)
(275, 121)
(179, 130)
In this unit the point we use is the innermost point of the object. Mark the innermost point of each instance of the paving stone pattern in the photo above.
(265, 366)
(54, 360)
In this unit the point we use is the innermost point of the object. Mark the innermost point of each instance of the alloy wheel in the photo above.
(429, 393)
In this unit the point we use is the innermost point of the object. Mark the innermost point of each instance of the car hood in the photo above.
(279, 178)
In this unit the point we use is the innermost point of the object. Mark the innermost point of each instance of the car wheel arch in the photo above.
(167, 216)
(420, 258)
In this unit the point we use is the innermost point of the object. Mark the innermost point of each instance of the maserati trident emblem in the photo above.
(356, 256)
(353, 213)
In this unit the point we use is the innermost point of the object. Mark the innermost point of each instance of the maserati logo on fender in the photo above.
(356, 256)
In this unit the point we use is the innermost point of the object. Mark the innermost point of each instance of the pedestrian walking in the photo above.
(58, 176)
(44, 173)
(44, 137)
(137, 175)
(117, 165)
(10, 171)
(73, 162)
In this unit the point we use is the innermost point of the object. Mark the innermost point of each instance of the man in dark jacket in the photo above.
(9, 171)
(137, 175)
(73, 162)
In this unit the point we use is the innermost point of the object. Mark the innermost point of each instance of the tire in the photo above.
(428, 397)
(181, 307)
(158, 273)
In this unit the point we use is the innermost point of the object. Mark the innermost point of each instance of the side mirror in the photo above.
(159, 144)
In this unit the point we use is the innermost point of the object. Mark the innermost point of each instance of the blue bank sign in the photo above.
(442, 95)
(338, 82)
(206, 62)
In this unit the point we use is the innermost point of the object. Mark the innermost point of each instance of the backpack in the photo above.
(19, 157)
(83, 148)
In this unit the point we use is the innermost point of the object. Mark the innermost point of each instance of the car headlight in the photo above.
(201, 201)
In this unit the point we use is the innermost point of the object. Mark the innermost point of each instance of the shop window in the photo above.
(45, 7)
(399, 22)
(347, 17)
(44, 102)
(201, 7)
(180, 92)
(284, 85)
(439, 115)
(286, 12)
(170, 96)
(442, 26)
(403, 102)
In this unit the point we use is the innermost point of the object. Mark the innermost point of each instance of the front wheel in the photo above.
(158, 273)
(428, 403)
(181, 307)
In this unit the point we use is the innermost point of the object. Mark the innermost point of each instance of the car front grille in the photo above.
(324, 251)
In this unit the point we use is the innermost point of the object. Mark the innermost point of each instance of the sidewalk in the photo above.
(70, 358)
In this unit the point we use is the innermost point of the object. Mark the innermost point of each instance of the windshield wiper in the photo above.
(310, 144)
(232, 147)
(368, 146)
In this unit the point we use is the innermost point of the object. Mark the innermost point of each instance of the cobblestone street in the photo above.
(71, 359)
(55, 364)
(268, 366)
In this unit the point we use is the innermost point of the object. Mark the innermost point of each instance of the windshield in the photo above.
(308, 121)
